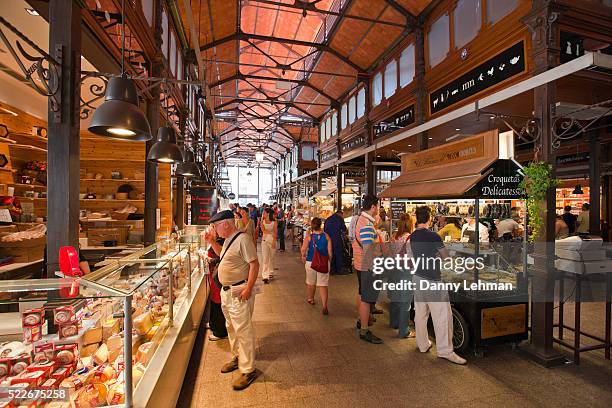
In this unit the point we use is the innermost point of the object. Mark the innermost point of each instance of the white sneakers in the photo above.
(454, 358)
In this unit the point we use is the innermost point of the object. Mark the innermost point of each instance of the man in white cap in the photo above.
(237, 274)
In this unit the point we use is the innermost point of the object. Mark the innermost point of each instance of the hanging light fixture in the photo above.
(259, 155)
(578, 189)
(165, 149)
(188, 167)
(119, 116)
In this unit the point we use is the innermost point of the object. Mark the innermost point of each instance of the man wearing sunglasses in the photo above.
(237, 273)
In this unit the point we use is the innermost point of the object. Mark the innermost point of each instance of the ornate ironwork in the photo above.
(97, 90)
(41, 71)
(569, 126)
(528, 129)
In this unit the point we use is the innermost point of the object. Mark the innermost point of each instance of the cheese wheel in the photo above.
(114, 342)
(109, 327)
(88, 350)
(91, 396)
(65, 357)
(101, 355)
(143, 355)
(92, 335)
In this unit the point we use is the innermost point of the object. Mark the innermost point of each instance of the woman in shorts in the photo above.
(316, 236)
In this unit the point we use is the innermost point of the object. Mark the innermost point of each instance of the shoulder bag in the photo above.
(216, 277)
(320, 263)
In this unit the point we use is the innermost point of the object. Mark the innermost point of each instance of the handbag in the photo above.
(320, 263)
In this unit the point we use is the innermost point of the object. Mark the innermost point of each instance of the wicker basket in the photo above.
(119, 215)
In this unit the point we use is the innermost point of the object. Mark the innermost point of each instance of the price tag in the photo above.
(5, 215)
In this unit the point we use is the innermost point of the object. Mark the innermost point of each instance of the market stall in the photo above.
(482, 187)
(108, 338)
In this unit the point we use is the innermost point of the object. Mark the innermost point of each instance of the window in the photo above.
(179, 67)
(147, 10)
(406, 66)
(307, 153)
(328, 128)
(377, 89)
(343, 116)
(390, 78)
(334, 124)
(165, 33)
(438, 40)
(498, 9)
(322, 132)
(172, 59)
(352, 109)
(466, 20)
(361, 103)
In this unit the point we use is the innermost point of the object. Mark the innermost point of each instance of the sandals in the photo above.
(310, 302)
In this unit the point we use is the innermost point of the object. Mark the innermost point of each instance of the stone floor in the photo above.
(311, 360)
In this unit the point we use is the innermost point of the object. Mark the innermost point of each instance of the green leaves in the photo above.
(538, 179)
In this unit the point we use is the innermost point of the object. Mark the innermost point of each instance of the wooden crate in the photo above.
(24, 251)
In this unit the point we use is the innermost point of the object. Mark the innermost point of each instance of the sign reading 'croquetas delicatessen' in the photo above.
(499, 68)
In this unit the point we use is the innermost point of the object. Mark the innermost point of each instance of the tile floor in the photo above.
(311, 360)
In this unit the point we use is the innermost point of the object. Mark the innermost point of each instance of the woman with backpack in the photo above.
(317, 249)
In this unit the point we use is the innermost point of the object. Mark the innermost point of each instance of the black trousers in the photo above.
(217, 320)
(281, 235)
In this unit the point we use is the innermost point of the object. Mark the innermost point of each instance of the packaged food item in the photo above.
(63, 315)
(20, 363)
(116, 393)
(42, 352)
(101, 355)
(33, 317)
(47, 367)
(151, 333)
(103, 373)
(91, 396)
(74, 382)
(51, 383)
(88, 350)
(68, 330)
(92, 335)
(33, 378)
(32, 334)
(65, 354)
(5, 367)
(143, 323)
(114, 342)
(143, 355)
(13, 349)
(109, 327)
(60, 373)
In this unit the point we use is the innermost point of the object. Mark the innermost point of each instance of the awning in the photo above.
(446, 181)
(325, 193)
(451, 187)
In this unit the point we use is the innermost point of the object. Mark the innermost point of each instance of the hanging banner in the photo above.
(203, 204)
(398, 121)
(496, 70)
(353, 143)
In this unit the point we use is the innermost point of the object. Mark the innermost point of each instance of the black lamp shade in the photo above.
(188, 168)
(119, 117)
(165, 149)
(578, 189)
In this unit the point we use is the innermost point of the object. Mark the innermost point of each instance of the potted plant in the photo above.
(538, 179)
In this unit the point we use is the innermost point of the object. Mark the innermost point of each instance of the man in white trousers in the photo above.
(237, 274)
(428, 246)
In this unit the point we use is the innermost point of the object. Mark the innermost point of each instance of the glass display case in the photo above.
(105, 337)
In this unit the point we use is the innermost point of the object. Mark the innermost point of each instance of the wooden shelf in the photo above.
(28, 135)
(20, 146)
(115, 180)
(114, 200)
(5, 140)
(26, 186)
(106, 159)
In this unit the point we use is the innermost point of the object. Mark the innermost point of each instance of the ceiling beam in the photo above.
(321, 47)
(410, 18)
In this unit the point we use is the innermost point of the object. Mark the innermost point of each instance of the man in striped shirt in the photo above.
(365, 244)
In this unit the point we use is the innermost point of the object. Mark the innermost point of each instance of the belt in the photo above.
(226, 288)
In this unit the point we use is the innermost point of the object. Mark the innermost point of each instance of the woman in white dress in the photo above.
(268, 244)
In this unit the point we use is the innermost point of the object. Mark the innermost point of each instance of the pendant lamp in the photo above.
(188, 167)
(119, 117)
(578, 189)
(165, 149)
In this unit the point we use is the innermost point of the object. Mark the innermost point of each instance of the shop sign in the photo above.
(397, 209)
(328, 172)
(331, 154)
(353, 143)
(499, 68)
(502, 182)
(571, 46)
(203, 204)
(459, 151)
(572, 158)
(397, 121)
(353, 173)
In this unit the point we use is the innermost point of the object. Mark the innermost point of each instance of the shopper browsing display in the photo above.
(268, 244)
(427, 244)
(582, 222)
(400, 300)
(238, 270)
(316, 240)
(336, 229)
